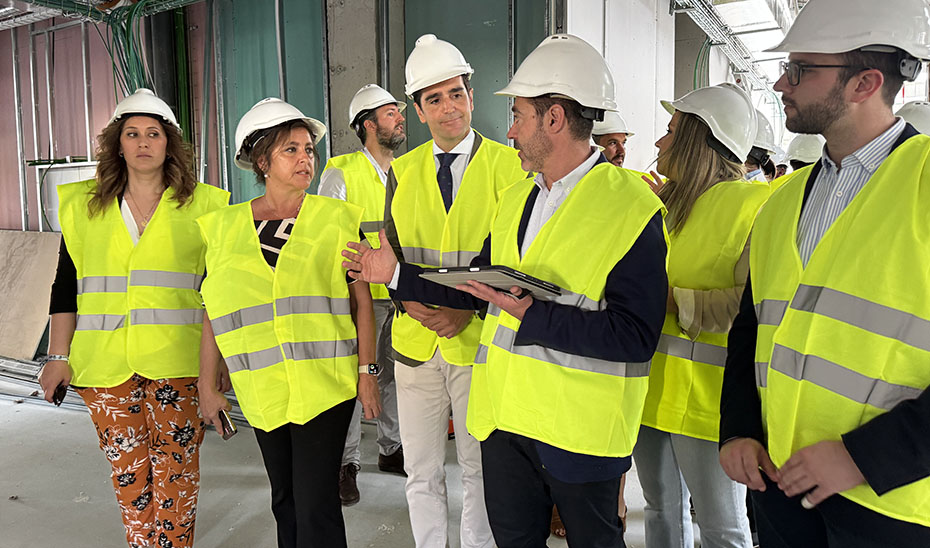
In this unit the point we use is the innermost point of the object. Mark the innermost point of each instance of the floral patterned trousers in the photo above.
(150, 431)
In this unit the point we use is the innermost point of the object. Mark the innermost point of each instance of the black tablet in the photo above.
(496, 276)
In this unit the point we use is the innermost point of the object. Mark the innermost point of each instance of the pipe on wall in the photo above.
(34, 94)
(20, 153)
(205, 108)
(220, 104)
(85, 69)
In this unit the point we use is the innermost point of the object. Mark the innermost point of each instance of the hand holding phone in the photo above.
(60, 392)
(228, 427)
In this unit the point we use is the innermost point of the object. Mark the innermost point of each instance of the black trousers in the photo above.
(302, 461)
(834, 523)
(519, 494)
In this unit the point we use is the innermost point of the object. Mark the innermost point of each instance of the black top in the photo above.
(891, 450)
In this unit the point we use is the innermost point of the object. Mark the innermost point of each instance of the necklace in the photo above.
(145, 217)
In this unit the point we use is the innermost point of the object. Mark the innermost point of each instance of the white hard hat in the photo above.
(917, 113)
(565, 65)
(613, 123)
(807, 148)
(143, 101)
(432, 61)
(765, 135)
(370, 97)
(265, 114)
(727, 110)
(838, 26)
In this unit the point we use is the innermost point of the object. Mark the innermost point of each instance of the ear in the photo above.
(554, 120)
(370, 126)
(864, 85)
(420, 113)
(471, 98)
(262, 165)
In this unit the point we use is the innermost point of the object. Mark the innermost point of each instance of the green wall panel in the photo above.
(480, 29)
(249, 57)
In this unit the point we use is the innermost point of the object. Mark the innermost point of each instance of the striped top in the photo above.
(835, 188)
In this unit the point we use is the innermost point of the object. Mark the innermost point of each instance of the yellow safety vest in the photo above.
(287, 334)
(139, 310)
(844, 340)
(687, 376)
(431, 237)
(364, 189)
(583, 405)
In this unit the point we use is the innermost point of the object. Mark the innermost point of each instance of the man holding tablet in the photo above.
(558, 385)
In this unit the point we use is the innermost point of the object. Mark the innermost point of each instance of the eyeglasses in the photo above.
(793, 69)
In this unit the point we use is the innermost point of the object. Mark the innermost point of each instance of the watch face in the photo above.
(374, 369)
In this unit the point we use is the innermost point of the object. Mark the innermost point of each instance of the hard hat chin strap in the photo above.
(721, 149)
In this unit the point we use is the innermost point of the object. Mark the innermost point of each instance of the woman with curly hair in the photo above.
(126, 315)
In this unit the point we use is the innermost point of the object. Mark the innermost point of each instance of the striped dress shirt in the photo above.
(836, 187)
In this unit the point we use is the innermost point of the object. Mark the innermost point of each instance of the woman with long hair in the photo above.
(711, 209)
(126, 315)
(296, 333)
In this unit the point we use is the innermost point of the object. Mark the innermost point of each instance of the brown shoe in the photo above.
(348, 487)
(556, 527)
(393, 463)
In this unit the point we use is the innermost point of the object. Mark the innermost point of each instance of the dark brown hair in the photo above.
(886, 63)
(579, 126)
(263, 142)
(112, 173)
(419, 93)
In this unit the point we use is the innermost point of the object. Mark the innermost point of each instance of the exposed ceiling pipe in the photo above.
(704, 15)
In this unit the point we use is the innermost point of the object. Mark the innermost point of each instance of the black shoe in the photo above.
(393, 463)
(348, 487)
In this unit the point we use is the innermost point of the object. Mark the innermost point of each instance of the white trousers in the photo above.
(425, 395)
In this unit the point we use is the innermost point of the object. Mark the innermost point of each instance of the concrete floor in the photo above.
(55, 489)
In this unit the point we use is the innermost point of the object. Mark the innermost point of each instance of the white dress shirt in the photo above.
(836, 187)
(549, 200)
(333, 183)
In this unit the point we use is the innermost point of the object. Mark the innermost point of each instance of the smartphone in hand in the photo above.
(228, 427)
(60, 392)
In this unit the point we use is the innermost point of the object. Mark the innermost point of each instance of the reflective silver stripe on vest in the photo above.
(372, 226)
(250, 315)
(316, 350)
(840, 380)
(856, 311)
(694, 351)
(504, 338)
(579, 300)
(252, 361)
(482, 355)
(164, 316)
(458, 258)
(493, 310)
(164, 278)
(312, 305)
(99, 322)
(101, 284)
(762, 371)
(771, 311)
(421, 255)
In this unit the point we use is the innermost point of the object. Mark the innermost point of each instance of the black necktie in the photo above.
(444, 177)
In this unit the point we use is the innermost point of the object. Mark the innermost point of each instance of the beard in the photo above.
(390, 138)
(617, 159)
(536, 150)
(817, 117)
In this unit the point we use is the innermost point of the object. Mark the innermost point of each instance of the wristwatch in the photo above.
(370, 369)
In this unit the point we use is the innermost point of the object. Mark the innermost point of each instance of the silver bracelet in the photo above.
(56, 358)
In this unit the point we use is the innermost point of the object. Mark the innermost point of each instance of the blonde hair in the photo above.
(692, 168)
(112, 174)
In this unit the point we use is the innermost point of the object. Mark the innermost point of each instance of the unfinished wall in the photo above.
(68, 121)
(636, 38)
